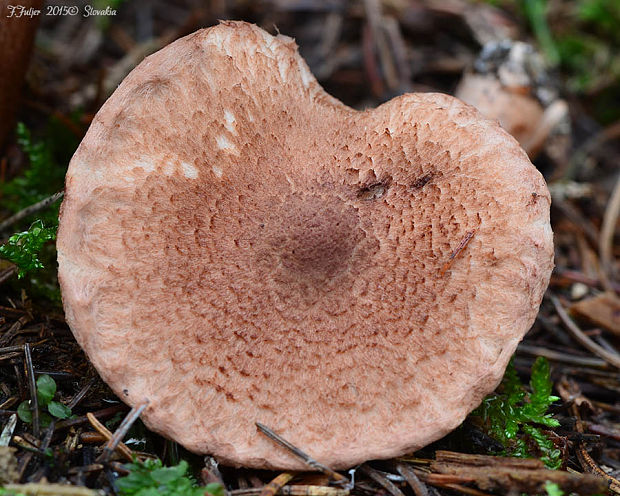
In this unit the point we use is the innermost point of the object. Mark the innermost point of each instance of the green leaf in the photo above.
(553, 489)
(44, 419)
(512, 385)
(166, 475)
(23, 248)
(46, 389)
(215, 489)
(59, 410)
(150, 478)
(540, 382)
(24, 412)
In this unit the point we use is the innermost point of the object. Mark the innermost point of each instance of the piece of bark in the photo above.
(603, 310)
(487, 461)
(508, 478)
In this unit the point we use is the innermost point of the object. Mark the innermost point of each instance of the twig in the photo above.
(399, 49)
(370, 63)
(34, 401)
(335, 476)
(375, 21)
(7, 430)
(46, 202)
(577, 219)
(463, 489)
(101, 429)
(608, 228)
(603, 430)
(120, 433)
(20, 348)
(575, 276)
(585, 460)
(387, 484)
(122, 67)
(80, 395)
(47, 439)
(276, 484)
(86, 469)
(418, 487)
(595, 142)
(47, 489)
(585, 341)
(106, 412)
(461, 246)
(8, 273)
(14, 329)
(294, 491)
(561, 357)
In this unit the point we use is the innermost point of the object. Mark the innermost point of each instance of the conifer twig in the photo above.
(585, 341)
(335, 476)
(36, 207)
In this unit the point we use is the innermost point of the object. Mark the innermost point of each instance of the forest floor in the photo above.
(364, 53)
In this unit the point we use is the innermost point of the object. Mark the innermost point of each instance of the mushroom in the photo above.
(237, 246)
(511, 84)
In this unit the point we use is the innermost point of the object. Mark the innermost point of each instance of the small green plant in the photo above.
(23, 248)
(150, 478)
(514, 415)
(552, 489)
(8, 492)
(46, 390)
(536, 13)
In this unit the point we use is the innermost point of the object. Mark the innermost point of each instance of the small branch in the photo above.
(335, 476)
(585, 341)
(121, 432)
(8, 273)
(610, 219)
(294, 491)
(384, 482)
(557, 356)
(461, 246)
(34, 401)
(43, 204)
(418, 487)
(276, 484)
(80, 395)
(101, 429)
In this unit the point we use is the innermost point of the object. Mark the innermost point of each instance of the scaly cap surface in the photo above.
(237, 246)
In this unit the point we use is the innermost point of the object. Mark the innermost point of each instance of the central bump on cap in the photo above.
(312, 236)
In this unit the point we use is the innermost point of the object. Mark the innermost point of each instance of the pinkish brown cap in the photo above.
(238, 246)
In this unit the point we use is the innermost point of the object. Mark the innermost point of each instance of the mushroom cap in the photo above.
(236, 246)
(518, 112)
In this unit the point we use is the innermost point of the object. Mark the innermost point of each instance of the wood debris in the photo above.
(602, 310)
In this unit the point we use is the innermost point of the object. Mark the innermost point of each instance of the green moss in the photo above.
(514, 414)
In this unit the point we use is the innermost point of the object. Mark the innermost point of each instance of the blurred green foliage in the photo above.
(582, 39)
(45, 173)
(552, 489)
(536, 13)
